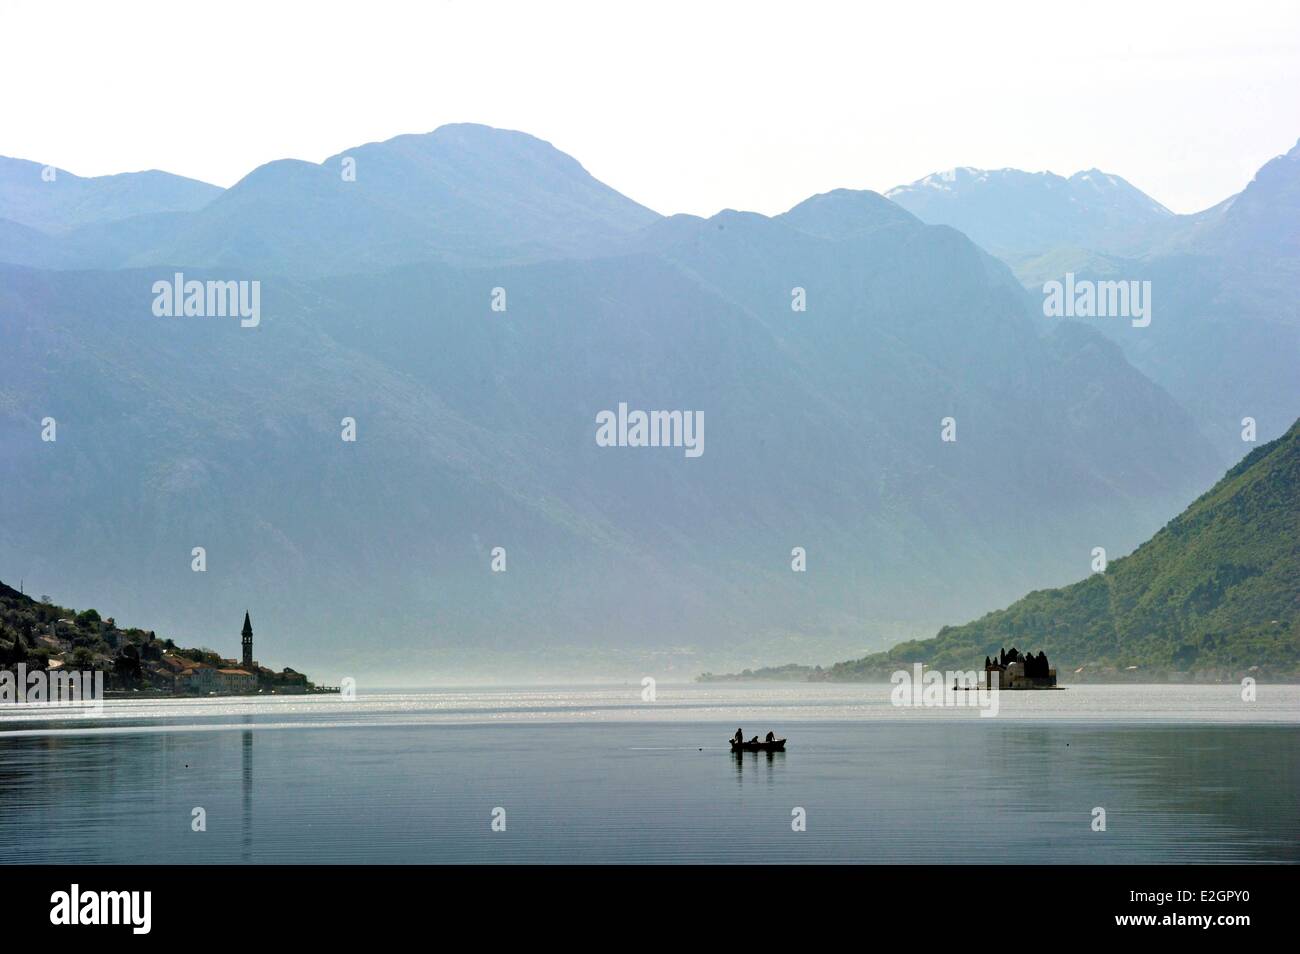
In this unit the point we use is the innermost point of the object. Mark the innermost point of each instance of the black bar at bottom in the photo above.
(955, 904)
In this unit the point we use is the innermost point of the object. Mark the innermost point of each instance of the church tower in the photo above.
(248, 643)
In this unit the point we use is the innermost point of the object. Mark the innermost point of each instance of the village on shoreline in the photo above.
(44, 637)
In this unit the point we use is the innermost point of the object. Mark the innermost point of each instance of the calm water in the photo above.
(596, 775)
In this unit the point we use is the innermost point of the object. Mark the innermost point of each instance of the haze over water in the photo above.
(1185, 774)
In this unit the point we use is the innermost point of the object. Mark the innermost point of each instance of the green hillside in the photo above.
(1218, 589)
(44, 636)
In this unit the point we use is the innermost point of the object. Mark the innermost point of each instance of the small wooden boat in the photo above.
(777, 745)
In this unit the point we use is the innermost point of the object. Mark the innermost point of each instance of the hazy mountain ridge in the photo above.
(1013, 213)
(1261, 220)
(68, 202)
(462, 193)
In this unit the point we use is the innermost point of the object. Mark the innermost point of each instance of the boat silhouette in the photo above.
(776, 745)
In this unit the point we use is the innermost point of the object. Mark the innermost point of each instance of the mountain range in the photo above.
(463, 194)
(475, 427)
(1225, 329)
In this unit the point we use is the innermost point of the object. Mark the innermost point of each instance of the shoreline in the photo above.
(163, 694)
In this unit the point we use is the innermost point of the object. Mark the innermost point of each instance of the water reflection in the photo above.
(248, 796)
(770, 758)
(598, 792)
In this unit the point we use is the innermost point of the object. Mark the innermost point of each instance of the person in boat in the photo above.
(754, 741)
(738, 737)
(771, 737)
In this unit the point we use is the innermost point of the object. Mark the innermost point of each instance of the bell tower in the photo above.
(247, 642)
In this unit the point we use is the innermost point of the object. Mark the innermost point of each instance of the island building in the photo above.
(1019, 671)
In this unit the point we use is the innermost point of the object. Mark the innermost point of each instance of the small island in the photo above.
(1009, 669)
(1016, 670)
(45, 637)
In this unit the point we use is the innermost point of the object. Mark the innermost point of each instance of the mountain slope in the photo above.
(1218, 588)
(1260, 222)
(1225, 290)
(69, 202)
(462, 193)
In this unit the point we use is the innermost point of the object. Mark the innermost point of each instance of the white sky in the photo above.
(686, 107)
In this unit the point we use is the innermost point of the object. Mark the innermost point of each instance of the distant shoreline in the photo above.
(809, 674)
(164, 694)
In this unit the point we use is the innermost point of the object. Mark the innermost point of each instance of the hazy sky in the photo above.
(688, 107)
